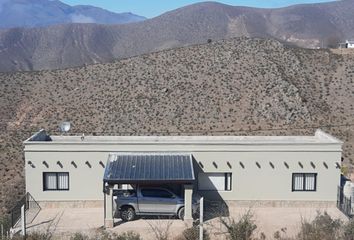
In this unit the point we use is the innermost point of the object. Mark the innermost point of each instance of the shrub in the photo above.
(348, 230)
(161, 230)
(130, 235)
(323, 227)
(242, 229)
(34, 236)
(193, 234)
(79, 236)
(5, 222)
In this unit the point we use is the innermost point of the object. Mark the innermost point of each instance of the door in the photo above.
(156, 200)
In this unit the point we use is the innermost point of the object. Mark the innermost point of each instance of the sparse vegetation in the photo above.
(323, 227)
(161, 229)
(242, 229)
(239, 86)
(192, 233)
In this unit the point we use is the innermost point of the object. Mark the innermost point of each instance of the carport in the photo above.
(148, 168)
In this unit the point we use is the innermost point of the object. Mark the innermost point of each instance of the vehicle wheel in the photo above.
(127, 214)
(181, 213)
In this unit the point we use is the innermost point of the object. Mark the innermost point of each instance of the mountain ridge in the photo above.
(41, 13)
(309, 25)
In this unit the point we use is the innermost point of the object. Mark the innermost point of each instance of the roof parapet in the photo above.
(323, 135)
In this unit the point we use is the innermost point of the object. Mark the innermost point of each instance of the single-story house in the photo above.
(82, 171)
(349, 44)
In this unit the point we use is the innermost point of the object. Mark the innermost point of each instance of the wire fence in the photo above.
(344, 203)
(32, 209)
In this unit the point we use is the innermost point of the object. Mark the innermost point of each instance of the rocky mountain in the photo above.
(58, 47)
(39, 13)
(239, 86)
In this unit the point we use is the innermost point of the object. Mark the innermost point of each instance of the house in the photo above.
(349, 44)
(83, 171)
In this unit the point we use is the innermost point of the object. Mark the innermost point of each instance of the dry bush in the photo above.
(323, 227)
(243, 229)
(161, 229)
(79, 236)
(102, 235)
(192, 233)
(348, 230)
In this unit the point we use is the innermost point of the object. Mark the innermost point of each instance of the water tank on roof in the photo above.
(347, 189)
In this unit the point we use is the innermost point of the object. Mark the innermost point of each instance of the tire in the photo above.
(127, 214)
(181, 213)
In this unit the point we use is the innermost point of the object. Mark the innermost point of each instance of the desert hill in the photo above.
(237, 86)
(69, 45)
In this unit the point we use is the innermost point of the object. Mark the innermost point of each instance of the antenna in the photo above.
(64, 127)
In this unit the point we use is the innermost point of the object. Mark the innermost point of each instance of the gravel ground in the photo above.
(65, 222)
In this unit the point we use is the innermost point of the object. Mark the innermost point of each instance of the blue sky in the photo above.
(153, 8)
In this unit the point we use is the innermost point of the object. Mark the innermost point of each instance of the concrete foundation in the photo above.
(108, 223)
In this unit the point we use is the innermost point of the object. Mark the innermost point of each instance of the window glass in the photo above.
(50, 181)
(304, 181)
(55, 181)
(298, 180)
(214, 181)
(63, 181)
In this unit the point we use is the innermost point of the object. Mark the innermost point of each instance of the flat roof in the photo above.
(320, 137)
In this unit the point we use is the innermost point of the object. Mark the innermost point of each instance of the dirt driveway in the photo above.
(64, 222)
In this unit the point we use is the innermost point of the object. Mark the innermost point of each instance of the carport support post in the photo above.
(108, 221)
(188, 192)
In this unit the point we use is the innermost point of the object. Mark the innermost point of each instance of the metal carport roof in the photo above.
(135, 167)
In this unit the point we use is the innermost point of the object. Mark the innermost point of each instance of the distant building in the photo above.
(347, 44)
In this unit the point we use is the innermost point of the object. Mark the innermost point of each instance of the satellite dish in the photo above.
(64, 127)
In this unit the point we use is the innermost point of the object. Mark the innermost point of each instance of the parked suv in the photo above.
(154, 201)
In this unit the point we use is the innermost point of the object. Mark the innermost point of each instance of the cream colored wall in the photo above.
(266, 183)
(84, 183)
(250, 183)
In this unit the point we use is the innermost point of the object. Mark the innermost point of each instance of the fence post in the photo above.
(2, 231)
(201, 218)
(23, 221)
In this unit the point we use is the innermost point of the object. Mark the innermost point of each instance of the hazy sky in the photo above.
(153, 8)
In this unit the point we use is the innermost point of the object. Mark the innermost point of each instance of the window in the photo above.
(55, 181)
(304, 182)
(159, 193)
(214, 181)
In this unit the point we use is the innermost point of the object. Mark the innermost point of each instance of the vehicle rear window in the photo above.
(160, 193)
(124, 193)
